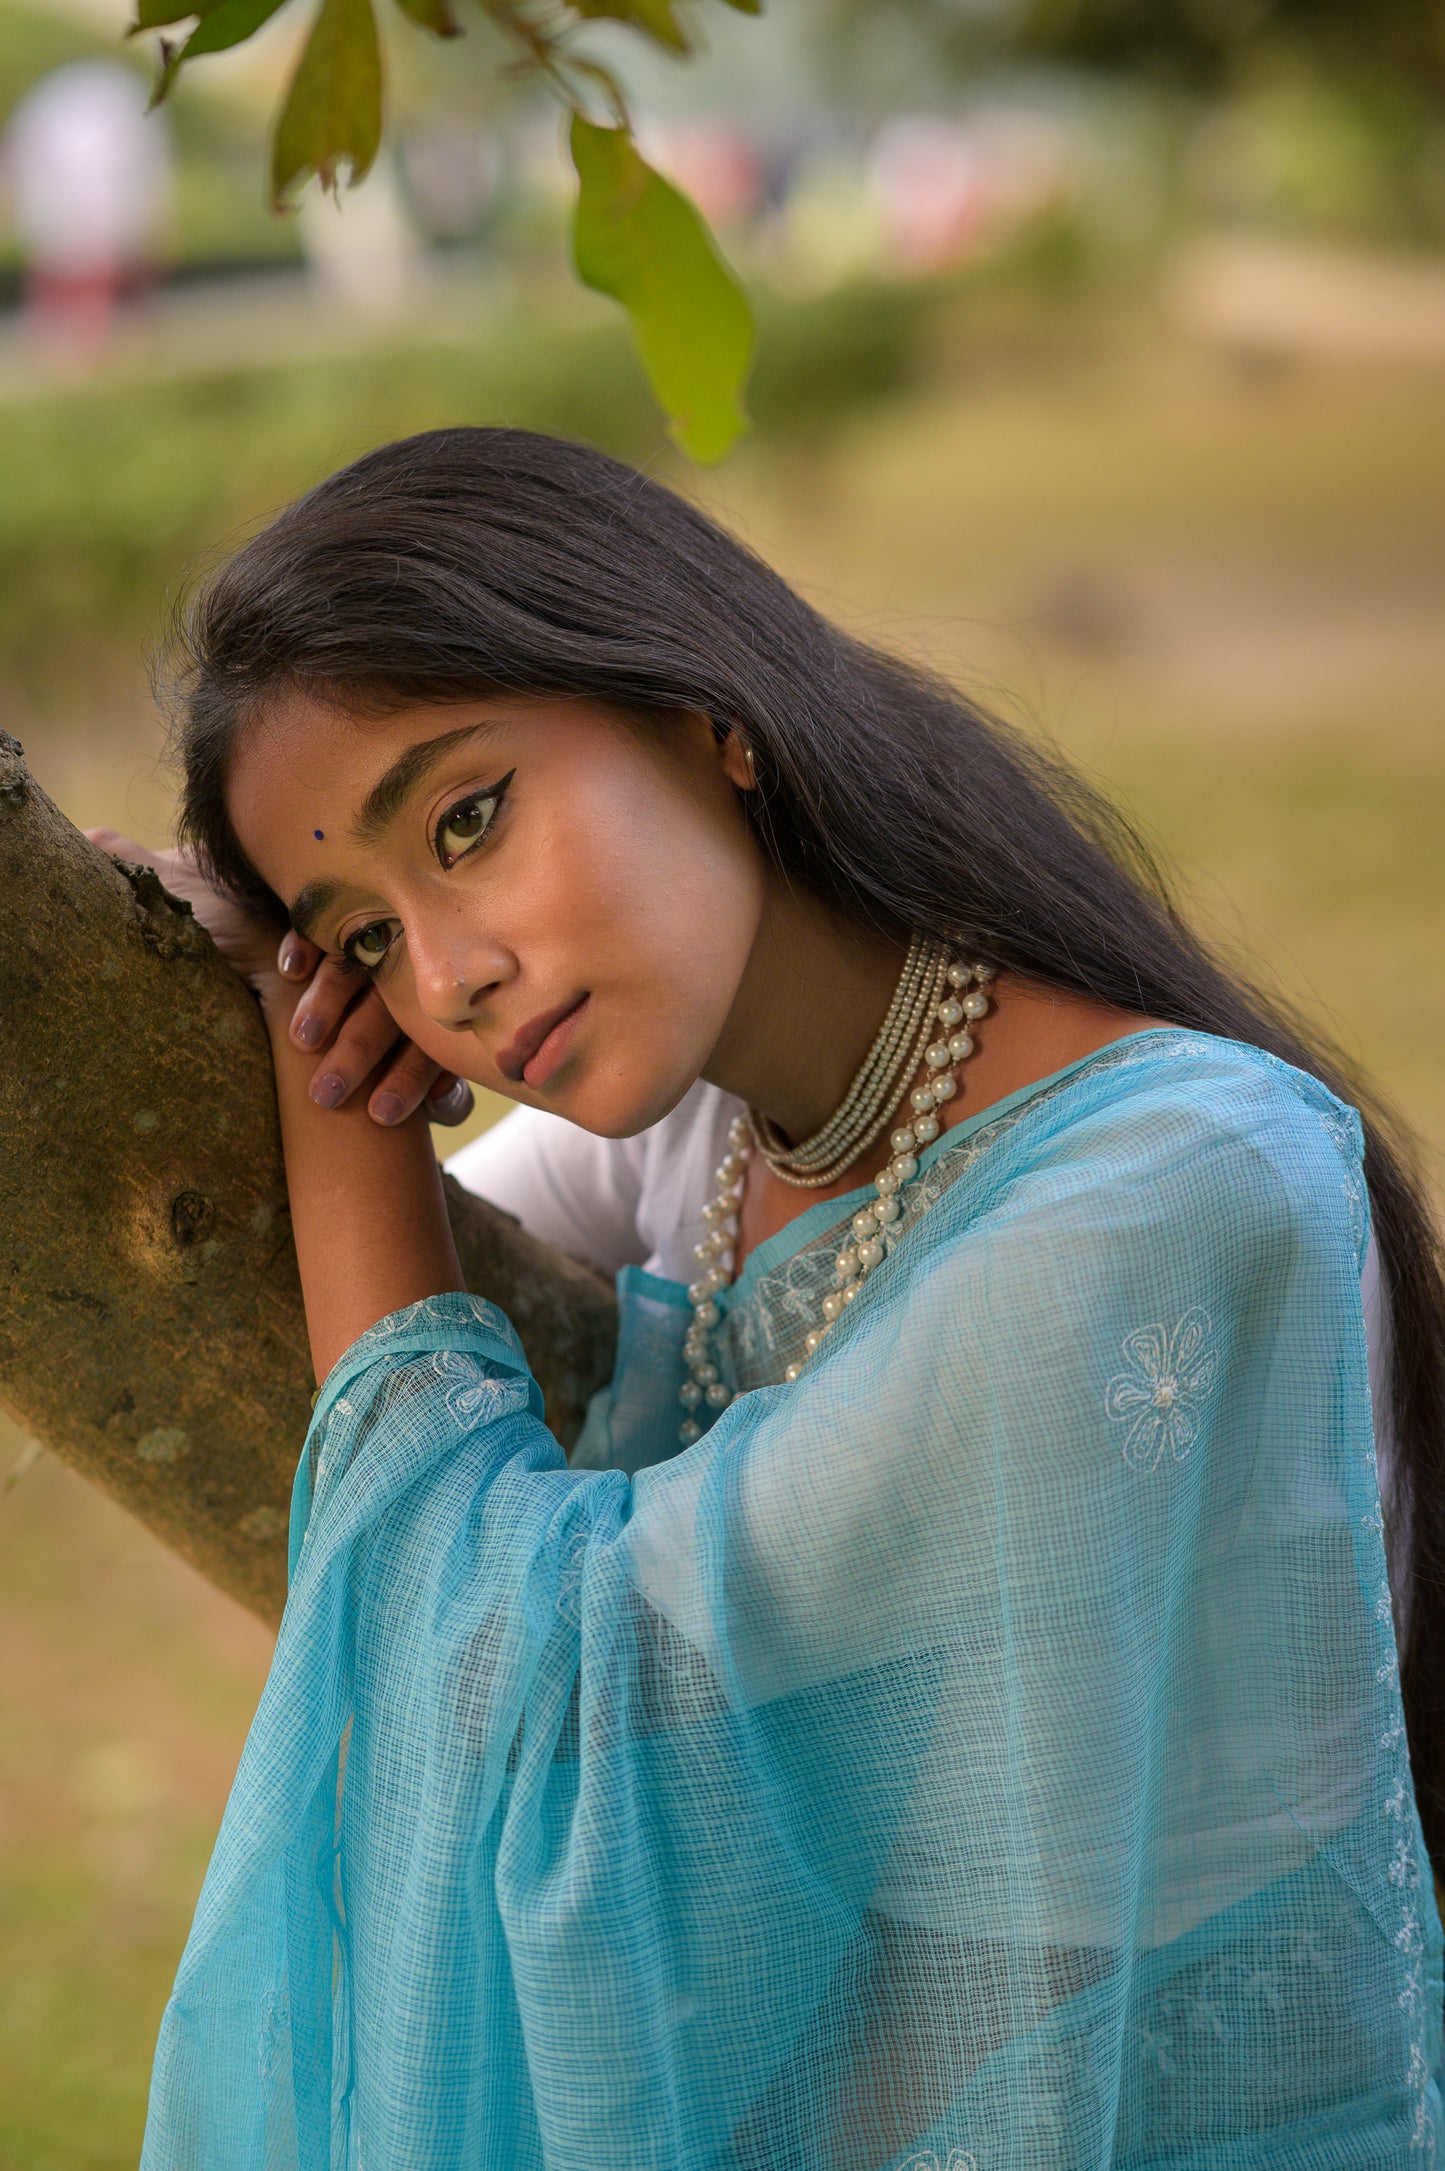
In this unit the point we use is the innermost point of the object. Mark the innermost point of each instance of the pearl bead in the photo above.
(689, 1432)
(885, 1182)
(698, 1292)
(975, 1006)
(951, 1012)
(794, 1371)
(689, 1394)
(846, 1263)
(812, 1339)
(902, 1140)
(706, 1315)
(904, 1167)
(936, 1057)
(705, 1374)
(718, 1396)
(983, 972)
(958, 976)
(925, 1130)
(944, 1088)
(960, 1045)
(921, 1098)
(832, 1305)
(851, 1291)
(716, 1280)
(871, 1253)
(865, 1223)
(887, 1210)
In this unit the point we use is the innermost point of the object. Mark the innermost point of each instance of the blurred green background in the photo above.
(1102, 365)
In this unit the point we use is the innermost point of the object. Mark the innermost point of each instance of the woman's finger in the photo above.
(365, 1038)
(333, 995)
(403, 1085)
(297, 959)
(450, 1100)
(119, 846)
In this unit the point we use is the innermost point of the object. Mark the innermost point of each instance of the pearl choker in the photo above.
(951, 998)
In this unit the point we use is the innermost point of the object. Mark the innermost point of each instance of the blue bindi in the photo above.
(318, 834)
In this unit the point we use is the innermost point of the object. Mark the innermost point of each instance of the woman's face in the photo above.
(554, 901)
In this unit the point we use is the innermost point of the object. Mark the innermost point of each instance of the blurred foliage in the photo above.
(1198, 44)
(635, 237)
(110, 489)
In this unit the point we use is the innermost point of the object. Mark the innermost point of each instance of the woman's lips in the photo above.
(541, 1044)
(554, 1047)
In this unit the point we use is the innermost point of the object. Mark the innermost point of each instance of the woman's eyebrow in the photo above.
(309, 905)
(387, 797)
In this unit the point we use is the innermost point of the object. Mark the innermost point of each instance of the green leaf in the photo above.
(636, 238)
(654, 18)
(159, 14)
(223, 23)
(747, 7)
(332, 114)
(433, 15)
(228, 22)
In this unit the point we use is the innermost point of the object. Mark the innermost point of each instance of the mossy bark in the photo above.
(151, 1325)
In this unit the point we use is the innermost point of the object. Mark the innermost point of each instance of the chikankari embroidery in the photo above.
(1161, 1397)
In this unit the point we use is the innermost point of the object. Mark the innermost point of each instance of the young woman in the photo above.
(948, 1713)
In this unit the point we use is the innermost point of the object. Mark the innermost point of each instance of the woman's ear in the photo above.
(739, 766)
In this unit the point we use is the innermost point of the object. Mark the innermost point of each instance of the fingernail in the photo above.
(456, 1096)
(388, 1107)
(328, 1089)
(307, 1031)
(293, 958)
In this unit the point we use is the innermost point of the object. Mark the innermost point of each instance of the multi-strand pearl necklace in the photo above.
(878, 1086)
(962, 1003)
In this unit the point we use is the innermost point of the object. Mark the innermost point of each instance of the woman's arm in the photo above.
(367, 1211)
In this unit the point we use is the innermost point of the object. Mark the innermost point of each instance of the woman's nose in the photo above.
(453, 978)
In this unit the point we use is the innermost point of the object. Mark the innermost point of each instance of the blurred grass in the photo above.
(1218, 587)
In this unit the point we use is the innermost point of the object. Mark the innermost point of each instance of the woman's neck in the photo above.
(812, 1000)
(814, 994)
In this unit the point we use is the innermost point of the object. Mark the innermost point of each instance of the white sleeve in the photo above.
(565, 1185)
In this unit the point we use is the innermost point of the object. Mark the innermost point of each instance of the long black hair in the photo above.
(467, 562)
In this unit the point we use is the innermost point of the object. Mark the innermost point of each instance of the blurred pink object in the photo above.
(89, 183)
(935, 192)
(712, 162)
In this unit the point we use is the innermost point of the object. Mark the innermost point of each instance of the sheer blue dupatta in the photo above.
(987, 1748)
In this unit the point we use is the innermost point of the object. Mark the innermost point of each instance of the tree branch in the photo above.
(151, 1324)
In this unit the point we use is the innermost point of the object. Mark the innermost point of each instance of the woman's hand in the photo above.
(336, 1015)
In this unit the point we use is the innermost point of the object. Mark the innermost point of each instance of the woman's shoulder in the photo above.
(1225, 1124)
(1202, 1082)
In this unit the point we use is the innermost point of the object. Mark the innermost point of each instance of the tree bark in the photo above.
(151, 1324)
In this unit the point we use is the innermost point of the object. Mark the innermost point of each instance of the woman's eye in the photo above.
(369, 945)
(465, 824)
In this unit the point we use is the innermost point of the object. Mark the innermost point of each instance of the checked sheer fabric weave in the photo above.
(984, 1754)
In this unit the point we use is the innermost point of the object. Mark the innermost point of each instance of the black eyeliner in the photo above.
(497, 792)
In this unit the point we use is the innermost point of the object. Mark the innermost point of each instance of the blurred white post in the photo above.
(89, 177)
(362, 247)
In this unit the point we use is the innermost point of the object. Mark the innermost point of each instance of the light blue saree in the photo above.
(984, 1754)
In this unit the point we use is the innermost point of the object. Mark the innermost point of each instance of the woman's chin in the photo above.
(611, 1106)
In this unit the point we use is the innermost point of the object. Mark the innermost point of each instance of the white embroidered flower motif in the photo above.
(469, 1387)
(1161, 1398)
(958, 2160)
